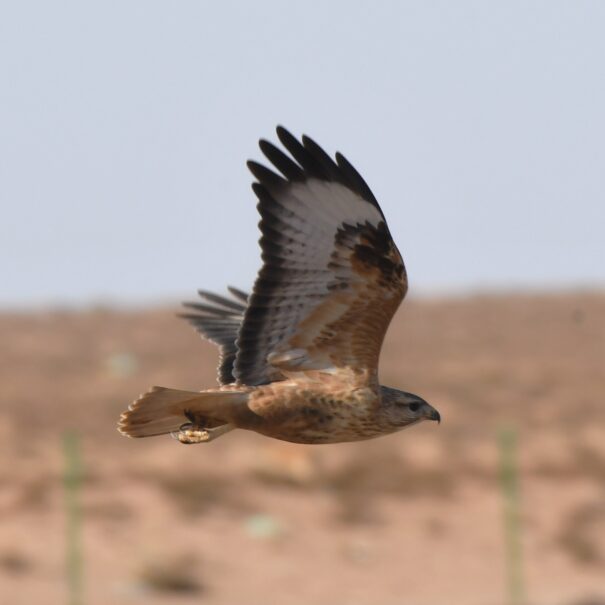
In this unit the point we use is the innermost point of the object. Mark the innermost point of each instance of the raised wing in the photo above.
(332, 277)
(218, 319)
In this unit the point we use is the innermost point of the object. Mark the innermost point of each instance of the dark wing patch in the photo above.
(372, 247)
(218, 319)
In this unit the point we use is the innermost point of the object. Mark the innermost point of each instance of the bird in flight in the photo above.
(299, 355)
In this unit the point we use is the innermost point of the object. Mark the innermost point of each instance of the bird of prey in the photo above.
(299, 355)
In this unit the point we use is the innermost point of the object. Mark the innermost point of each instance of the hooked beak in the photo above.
(435, 415)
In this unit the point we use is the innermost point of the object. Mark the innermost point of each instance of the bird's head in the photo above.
(403, 409)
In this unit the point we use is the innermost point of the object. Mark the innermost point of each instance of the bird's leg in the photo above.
(218, 431)
(190, 433)
(195, 430)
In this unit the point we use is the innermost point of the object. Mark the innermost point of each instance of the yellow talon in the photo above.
(190, 433)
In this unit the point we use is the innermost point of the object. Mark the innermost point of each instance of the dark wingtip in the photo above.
(287, 139)
(243, 296)
(282, 131)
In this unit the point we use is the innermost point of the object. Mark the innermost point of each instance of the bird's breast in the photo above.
(307, 415)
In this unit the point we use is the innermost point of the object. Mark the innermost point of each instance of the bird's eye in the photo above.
(414, 407)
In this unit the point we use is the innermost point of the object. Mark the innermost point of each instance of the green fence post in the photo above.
(509, 483)
(72, 481)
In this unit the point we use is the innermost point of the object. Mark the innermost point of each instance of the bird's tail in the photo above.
(161, 410)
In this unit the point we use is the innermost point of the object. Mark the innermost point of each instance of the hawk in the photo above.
(299, 355)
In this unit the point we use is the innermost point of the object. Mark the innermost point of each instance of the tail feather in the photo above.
(161, 410)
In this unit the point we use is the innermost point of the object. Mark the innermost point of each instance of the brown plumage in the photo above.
(299, 356)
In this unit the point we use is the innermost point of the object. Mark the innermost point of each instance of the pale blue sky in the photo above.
(480, 127)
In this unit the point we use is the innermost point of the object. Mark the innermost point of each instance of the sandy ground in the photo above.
(415, 518)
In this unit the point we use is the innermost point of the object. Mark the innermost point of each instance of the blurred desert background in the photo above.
(125, 129)
(417, 517)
